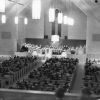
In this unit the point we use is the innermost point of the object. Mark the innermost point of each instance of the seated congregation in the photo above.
(91, 79)
(54, 73)
(15, 68)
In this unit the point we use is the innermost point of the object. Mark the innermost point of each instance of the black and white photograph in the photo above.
(49, 49)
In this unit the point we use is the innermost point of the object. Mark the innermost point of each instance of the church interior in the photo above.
(49, 49)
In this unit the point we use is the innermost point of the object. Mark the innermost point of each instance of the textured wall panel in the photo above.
(6, 35)
(96, 37)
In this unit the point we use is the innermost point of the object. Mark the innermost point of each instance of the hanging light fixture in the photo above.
(16, 19)
(25, 21)
(60, 18)
(36, 9)
(3, 19)
(2, 5)
(51, 15)
(70, 21)
(65, 20)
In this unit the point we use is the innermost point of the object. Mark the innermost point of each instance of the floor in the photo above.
(77, 85)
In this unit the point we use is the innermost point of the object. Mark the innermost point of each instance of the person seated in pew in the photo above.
(86, 95)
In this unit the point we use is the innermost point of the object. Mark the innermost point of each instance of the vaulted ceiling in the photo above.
(89, 7)
(16, 6)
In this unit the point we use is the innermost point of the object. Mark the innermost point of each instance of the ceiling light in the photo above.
(16, 20)
(65, 21)
(60, 18)
(36, 9)
(51, 15)
(25, 21)
(3, 19)
(2, 5)
(70, 21)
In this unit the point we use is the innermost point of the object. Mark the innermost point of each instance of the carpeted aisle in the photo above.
(77, 85)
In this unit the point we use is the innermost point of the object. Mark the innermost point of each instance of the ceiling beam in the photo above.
(87, 12)
(17, 9)
(25, 6)
(16, 2)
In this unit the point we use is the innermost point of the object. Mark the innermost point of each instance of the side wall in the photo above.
(93, 36)
(78, 31)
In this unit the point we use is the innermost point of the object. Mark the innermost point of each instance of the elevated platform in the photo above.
(6, 94)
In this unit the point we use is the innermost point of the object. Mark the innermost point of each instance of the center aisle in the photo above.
(77, 85)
